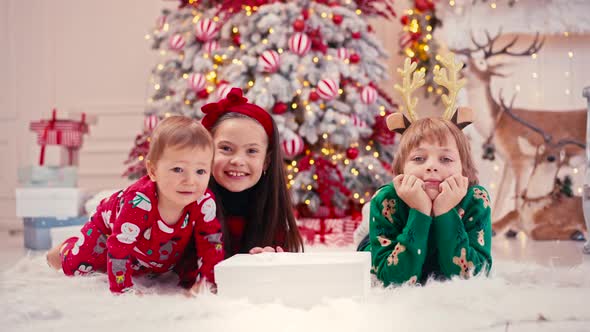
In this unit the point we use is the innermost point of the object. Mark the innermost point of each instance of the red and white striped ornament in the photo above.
(327, 89)
(299, 43)
(358, 122)
(342, 53)
(269, 61)
(211, 46)
(177, 42)
(161, 22)
(368, 95)
(292, 146)
(222, 90)
(150, 122)
(205, 29)
(197, 82)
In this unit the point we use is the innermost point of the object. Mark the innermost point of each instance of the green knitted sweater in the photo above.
(409, 246)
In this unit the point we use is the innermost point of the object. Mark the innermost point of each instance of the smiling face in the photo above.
(433, 162)
(240, 158)
(181, 175)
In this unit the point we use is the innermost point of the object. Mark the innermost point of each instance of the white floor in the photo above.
(519, 249)
(535, 286)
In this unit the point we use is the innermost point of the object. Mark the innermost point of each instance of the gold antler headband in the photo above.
(452, 82)
(408, 87)
(447, 77)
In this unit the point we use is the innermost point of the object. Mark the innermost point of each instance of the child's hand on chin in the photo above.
(258, 250)
(452, 191)
(411, 190)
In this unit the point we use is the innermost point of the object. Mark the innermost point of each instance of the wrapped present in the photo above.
(297, 279)
(48, 176)
(328, 231)
(42, 233)
(49, 202)
(67, 133)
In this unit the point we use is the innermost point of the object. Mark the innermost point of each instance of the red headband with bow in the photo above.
(235, 102)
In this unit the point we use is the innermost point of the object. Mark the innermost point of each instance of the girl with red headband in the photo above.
(248, 178)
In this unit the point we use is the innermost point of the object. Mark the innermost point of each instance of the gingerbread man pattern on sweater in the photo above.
(127, 236)
(408, 246)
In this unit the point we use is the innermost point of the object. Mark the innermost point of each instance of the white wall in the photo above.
(86, 56)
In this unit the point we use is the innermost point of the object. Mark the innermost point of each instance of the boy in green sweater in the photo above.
(433, 220)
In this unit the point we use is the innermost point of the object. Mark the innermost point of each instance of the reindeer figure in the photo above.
(506, 130)
(554, 215)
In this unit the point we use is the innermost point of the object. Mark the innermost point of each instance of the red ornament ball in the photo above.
(313, 96)
(299, 25)
(352, 153)
(236, 40)
(424, 5)
(203, 94)
(279, 108)
(404, 20)
(355, 58)
(337, 19)
(305, 13)
(356, 35)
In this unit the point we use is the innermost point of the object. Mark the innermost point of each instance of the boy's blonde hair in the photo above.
(435, 130)
(179, 132)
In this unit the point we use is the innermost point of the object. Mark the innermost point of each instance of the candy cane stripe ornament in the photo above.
(197, 82)
(358, 122)
(270, 61)
(211, 46)
(299, 43)
(342, 53)
(161, 22)
(368, 95)
(205, 29)
(327, 89)
(177, 42)
(222, 90)
(292, 146)
(150, 122)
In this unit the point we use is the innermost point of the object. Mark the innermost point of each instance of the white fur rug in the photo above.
(515, 298)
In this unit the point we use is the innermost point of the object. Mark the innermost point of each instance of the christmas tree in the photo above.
(312, 64)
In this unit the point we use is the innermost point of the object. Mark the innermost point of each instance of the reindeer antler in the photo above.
(451, 82)
(408, 87)
(488, 46)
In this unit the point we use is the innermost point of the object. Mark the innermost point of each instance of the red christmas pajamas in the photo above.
(127, 236)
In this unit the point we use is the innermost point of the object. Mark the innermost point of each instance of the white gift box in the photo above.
(42, 233)
(49, 202)
(48, 176)
(299, 279)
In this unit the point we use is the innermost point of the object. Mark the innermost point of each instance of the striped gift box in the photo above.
(328, 231)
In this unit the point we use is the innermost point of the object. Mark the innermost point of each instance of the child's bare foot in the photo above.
(53, 257)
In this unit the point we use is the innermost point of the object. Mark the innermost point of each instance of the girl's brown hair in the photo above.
(179, 132)
(435, 130)
(270, 220)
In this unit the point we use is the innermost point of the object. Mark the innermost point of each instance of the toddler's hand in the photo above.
(202, 287)
(411, 190)
(258, 250)
(452, 191)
